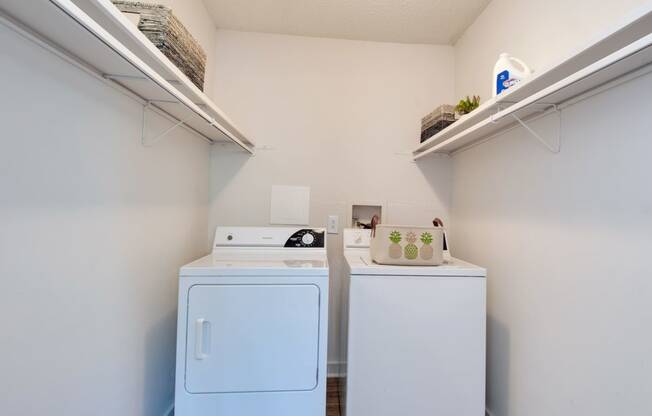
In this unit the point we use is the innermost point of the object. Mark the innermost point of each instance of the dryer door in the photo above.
(252, 338)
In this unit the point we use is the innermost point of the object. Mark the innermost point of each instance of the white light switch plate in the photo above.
(290, 205)
(333, 224)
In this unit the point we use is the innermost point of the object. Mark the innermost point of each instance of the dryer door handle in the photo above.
(199, 338)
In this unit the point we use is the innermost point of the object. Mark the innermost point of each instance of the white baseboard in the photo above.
(336, 369)
(170, 411)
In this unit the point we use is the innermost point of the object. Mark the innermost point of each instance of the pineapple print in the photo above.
(394, 248)
(411, 250)
(426, 249)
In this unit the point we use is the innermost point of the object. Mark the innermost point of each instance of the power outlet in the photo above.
(333, 224)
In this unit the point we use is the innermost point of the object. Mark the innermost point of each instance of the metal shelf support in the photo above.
(554, 147)
(152, 141)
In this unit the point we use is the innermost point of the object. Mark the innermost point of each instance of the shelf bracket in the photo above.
(554, 148)
(152, 141)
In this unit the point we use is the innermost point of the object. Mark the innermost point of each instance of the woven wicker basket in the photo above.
(169, 35)
(442, 117)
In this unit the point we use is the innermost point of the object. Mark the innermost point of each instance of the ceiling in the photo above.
(405, 21)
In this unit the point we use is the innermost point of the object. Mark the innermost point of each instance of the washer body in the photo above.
(252, 325)
(413, 337)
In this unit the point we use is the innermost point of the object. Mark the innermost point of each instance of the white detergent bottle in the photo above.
(506, 74)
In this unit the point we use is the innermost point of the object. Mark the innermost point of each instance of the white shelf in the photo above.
(138, 67)
(622, 51)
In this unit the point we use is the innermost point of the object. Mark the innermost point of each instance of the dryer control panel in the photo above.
(307, 237)
(270, 237)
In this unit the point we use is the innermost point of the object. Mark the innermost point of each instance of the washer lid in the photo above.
(361, 264)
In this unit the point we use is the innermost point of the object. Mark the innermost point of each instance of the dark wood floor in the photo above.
(332, 398)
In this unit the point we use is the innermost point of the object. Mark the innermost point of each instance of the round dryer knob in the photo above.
(308, 239)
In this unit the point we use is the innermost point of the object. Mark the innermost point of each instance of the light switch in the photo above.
(290, 205)
(333, 224)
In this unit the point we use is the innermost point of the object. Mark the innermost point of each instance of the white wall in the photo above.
(93, 228)
(339, 116)
(566, 238)
(539, 32)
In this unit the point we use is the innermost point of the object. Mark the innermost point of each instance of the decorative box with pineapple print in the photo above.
(406, 245)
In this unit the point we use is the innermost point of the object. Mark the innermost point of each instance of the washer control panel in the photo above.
(357, 238)
(307, 238)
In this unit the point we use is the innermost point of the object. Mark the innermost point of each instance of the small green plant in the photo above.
(468, 104)
(395, 237)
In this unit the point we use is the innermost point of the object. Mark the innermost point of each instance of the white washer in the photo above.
(252, 325)
(413, 336)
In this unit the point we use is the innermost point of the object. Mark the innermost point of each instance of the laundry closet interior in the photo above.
(310, 208)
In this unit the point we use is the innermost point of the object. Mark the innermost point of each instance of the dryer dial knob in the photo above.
(308, 239)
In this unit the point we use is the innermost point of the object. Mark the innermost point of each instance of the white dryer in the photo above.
(413, 336)
(252, 325)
